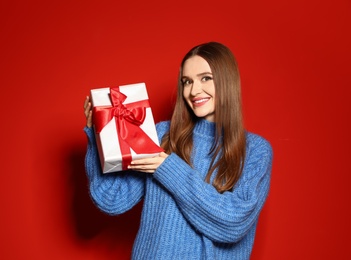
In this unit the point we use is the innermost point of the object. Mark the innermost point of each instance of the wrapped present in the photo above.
(124, 126)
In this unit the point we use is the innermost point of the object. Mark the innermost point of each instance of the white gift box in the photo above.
(108, 138)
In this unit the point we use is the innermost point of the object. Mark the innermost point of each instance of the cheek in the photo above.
(211, 91)
(185, 93)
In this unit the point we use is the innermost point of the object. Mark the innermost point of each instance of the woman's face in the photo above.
(198, 87)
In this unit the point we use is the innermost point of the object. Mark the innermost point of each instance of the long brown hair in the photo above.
(230, 142)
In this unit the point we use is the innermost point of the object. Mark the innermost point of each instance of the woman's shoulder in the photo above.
(259, 156)
(257, 143)
(162, 127)
(163, 123)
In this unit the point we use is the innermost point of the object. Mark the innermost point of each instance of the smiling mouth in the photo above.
(200, 101)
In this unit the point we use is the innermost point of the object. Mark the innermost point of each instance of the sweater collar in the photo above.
(205, 127)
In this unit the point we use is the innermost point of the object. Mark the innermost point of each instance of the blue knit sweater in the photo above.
(183, 217)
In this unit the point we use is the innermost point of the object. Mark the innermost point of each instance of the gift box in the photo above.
(124, 126)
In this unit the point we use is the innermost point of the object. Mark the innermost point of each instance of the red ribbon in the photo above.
(128, 118)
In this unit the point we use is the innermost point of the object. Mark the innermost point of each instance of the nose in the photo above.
(196, 88)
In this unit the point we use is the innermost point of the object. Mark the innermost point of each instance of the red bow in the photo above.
(128, 119)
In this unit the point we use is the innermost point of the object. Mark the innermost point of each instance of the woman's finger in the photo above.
(87, 111)
(148, 165)
(90, 119)
(151, 160)
(87, 105)
(86, 101)
(142, 162)
(148, 161)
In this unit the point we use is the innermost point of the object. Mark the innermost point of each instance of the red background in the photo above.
(294, 58)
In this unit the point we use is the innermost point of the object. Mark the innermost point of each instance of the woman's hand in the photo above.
(148, 165)
(88, 112)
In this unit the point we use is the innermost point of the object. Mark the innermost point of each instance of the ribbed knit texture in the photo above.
(184, 217)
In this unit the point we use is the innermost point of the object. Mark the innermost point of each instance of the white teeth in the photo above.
(200, 100)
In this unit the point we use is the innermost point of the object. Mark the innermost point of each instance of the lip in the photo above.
(200, 101)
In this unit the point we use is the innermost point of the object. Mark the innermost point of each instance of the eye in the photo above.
(206, 78)
(186, 82)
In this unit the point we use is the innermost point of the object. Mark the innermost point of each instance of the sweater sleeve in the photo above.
(113, 193)
(226, 217)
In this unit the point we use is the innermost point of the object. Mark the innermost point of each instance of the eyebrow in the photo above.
(198, 75)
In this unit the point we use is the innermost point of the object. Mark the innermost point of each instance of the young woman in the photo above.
(201, 197)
